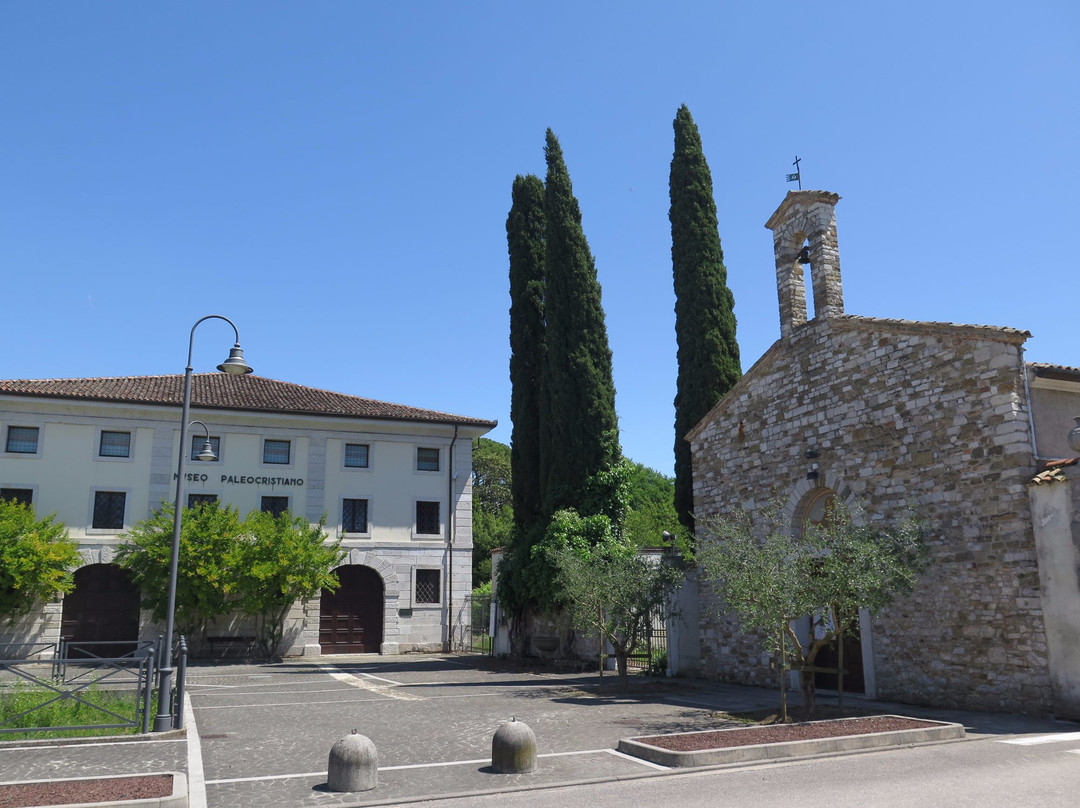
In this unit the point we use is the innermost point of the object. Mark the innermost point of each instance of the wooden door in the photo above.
(351, 619)
(102, 608)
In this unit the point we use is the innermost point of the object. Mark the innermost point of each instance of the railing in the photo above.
(106, 689)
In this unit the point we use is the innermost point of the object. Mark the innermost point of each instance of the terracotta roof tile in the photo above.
(228, 392)
(1053, 471)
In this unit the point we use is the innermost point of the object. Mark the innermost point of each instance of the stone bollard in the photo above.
(354, 764)
(513, 749)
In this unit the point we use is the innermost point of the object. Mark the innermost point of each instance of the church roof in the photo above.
(228, 392)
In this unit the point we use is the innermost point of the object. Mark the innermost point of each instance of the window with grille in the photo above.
(274, 506)
(276, 452)
(114, 444)
(427, 459)
(195, 500)
(354, 516)
(427, 586)
(427, 518)
(197, 442)
(109, 510)
(22, 440)
(356, 455)
(23, 496)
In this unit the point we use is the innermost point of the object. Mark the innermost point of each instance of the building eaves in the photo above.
(228, 392)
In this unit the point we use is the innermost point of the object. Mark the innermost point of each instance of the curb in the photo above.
(941, 731)
(178, 798)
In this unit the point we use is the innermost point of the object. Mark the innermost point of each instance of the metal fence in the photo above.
(471, 632)
(99, 685)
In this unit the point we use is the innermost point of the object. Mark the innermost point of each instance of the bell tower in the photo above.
(804, 234)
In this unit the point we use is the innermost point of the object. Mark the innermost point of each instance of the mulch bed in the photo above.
(106, 789)
(779, 733)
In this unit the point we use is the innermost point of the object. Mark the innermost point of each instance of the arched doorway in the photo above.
(102, 608)
(817, 509)
(351, 619)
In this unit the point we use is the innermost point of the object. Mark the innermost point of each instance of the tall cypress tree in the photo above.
(708, 352)
(525, 240)
(579, 425)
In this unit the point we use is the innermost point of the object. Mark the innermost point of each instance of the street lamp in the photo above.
(236, 366)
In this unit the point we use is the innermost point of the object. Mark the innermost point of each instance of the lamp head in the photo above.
(206, 454)
(235, 364)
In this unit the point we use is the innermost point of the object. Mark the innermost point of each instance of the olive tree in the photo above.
(772, 576)
(605, 586)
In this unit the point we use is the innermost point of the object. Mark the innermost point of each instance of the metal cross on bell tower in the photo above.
(797, 176)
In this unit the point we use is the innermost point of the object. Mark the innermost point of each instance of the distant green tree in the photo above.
(708, 352)
(579, 428)
(525, 241)
(493, 512)
(650, 508)
(36, 559)
(206, 581)
(771, 577)
(278, 561)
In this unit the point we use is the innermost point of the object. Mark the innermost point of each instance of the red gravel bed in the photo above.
(778, 733)
(105, 789)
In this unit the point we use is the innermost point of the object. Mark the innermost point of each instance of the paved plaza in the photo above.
(260, 735)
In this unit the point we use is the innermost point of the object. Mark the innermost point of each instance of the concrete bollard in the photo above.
(513, 749)
(354, 764)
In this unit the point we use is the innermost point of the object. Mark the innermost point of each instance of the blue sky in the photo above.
(335, 177)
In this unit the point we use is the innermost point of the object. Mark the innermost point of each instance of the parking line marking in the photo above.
(1057, 737)
(436, 765)
(642, 761)
(363, 684)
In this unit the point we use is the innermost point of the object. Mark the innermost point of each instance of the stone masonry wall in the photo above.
(903, 415)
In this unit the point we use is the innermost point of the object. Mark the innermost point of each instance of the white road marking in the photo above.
(476, 762)
(1057, 737)
(363, 684)
(642, 761)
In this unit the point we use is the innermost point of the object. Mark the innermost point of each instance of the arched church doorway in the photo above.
(351, 618)
(102, 608)
(817, 509)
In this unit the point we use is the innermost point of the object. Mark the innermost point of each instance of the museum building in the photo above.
(394, 482)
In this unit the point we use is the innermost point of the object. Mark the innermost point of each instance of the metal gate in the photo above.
(653, 659)
(471, 628)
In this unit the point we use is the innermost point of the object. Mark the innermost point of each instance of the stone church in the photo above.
(945, 419)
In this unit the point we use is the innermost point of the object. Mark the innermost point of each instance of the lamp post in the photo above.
(236, 366)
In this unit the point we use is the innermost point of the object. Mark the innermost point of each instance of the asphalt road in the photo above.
(988, 772)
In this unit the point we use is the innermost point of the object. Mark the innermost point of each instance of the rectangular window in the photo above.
(274, 505)
(22, 440)
(109, 510)
(23, 496)
(427, 459)
(115, 444)
(197, 442)
(354, 516)
(195, 500)
(276, 452)
(427, 518)
(427, 586)
(356, 455)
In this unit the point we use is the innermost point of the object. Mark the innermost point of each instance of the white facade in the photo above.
(394, 482)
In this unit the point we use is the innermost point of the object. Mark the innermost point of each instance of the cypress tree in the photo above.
(579, 425)
(525, 240)
(708, 353)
